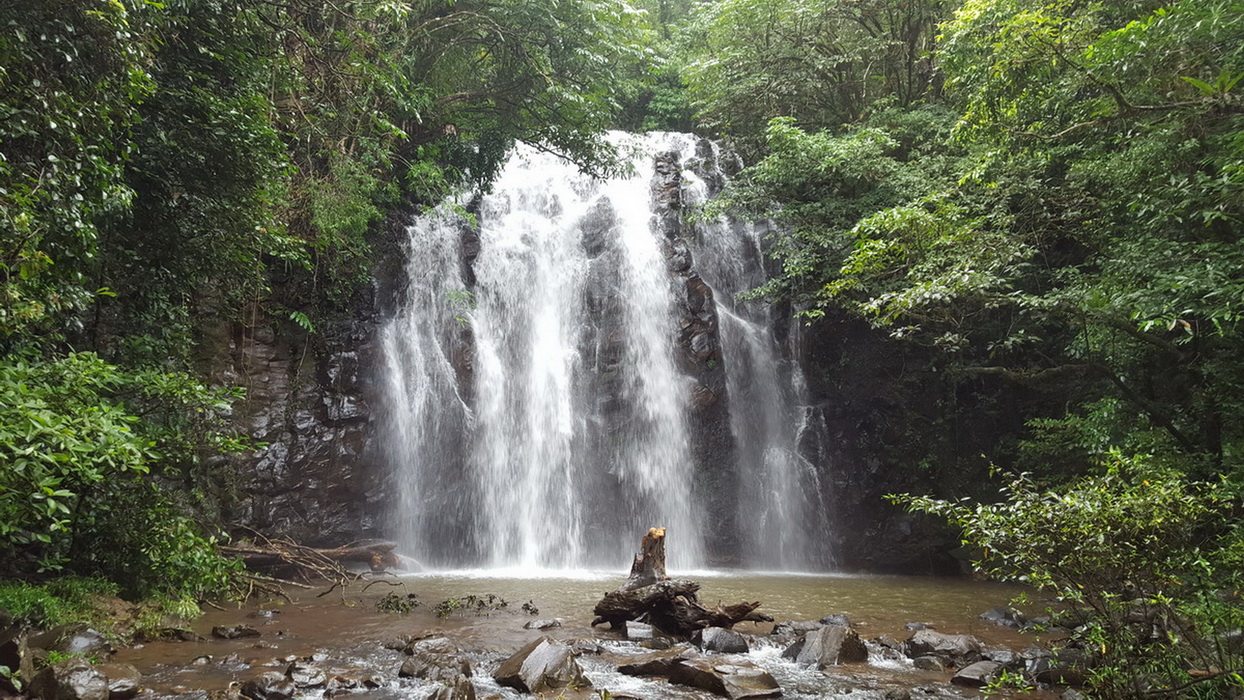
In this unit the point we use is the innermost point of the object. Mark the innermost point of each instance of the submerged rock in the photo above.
(234, 631)
(542, 624)
(735, 680)
(836, 619)
(540, 666)
(1005, 617)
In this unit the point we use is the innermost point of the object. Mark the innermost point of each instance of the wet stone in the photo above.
(929, 663)
(828, 646)
(720, 640)
(123, 680)
(305, 675)
(976, 675)
(542, 624)
(836, 619)
(272, 685)
(540, 666)
(733, 680)
(234, 631)
(71, 679)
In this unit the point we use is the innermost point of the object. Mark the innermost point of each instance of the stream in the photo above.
(344, 634)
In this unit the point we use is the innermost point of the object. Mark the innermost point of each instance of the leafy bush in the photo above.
(80, 439)
(1142, 561)
(64, 600)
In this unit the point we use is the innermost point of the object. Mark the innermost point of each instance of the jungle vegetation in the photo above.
(1044, 195)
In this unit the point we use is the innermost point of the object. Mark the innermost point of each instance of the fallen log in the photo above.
(670, 605)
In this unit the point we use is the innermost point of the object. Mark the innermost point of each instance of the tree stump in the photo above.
(670, 605)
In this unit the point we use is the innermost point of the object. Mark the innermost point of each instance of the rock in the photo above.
(71, 679)
(123, 680)
(720, 640)
(306, 675)
(263, 614)
(458, 689)
(234, 631)
(1004, 617)
(542, 624)
(734, 680)
(435, 659)
(836, 619)
(977, 675)
(1065, 667)
(957, 649)
(15, 654)
(827, 646)
(658, 643)
(1006, 657)
(930, 663)
(272, 685)
(652, 665)
(540, 666)
(795, 627)
(914, 626)
(396, 643)
(72, 639)
(203, 660)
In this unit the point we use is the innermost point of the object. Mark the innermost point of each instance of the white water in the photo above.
(537, 414)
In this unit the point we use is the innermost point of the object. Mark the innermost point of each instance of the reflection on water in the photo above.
(348, 631)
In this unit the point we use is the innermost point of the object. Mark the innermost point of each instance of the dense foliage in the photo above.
(169, 166)
(1039, 199)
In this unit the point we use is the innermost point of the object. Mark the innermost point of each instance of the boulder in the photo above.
(655, 664)
(71, 679)
(459, 688)
(72, 639)
(1005, 617)
(272, 685)
(827, 646)
(977, 675)
(720, 640)
(124, 681)
(734, 680)
(540, 666)
(234, 631)
(435, 659)
(306, 675)
(15, 654)
(957, 649)
(930, 663)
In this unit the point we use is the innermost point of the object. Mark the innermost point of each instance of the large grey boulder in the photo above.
(540, 666)
(71, 679)
(828, 646)
(977, 675)
(272, 685)
(735, 680)
(721, 640)
(124, 680)
(957, 649)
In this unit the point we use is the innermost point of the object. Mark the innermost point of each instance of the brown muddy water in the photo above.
(344, 632)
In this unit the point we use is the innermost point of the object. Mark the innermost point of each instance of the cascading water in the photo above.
(538, 400)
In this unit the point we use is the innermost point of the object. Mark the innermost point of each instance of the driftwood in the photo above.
(670, 605)
(274, 562)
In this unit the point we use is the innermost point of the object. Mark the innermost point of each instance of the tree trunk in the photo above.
(670, 605)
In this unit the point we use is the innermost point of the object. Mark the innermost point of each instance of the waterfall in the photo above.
(550, 365)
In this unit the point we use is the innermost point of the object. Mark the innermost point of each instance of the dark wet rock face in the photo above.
(72, 639)
(541, 666)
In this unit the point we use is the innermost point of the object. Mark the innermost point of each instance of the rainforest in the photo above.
(937, 299)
